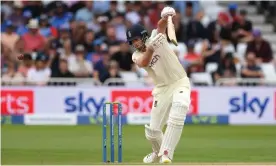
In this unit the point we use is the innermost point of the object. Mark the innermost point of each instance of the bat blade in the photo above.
(171, 31)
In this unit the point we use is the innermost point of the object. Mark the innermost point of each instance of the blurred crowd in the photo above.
(86, 39)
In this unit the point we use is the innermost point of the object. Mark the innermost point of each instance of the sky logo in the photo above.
(84, 105)
(246, 104)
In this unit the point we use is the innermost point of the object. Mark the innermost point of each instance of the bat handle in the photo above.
(170, 23)
(170, 19)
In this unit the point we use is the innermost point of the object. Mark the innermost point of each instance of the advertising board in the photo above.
(241, 105)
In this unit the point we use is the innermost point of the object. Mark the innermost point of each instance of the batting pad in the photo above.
(155, 137)
(174, 129)
(178, 113)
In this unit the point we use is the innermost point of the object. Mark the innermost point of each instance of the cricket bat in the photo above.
(171, 31)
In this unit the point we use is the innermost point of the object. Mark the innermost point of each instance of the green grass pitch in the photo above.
(71, 145)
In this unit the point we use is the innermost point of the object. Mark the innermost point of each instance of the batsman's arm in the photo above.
(144, 59)
(162, 25)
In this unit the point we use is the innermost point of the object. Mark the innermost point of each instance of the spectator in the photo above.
(35, 7)
(93, 26)
(260, 47)
(64, 35)
(227, 47)
(225, 33)
(111, 40)
(79, 36)
(182, 6)
(85, 14)
(124, 58)
(226, 69)
(26, 65)
(88, 42)
(46, 29)
(251, 69)
(22, 29)
(145, 20)
(11, 76)
(17, 17)
(145, 6)
(221, 26)
(101, 67)
(9, 38)
(66, 52)
(120, 27)
(63, 71)
(154, 14)
(6, 9)
(113, 73)
(81, 67)
(40, 73)
(188, 16)
(232, 9)
(132, 18)
(203, 18)
(194, 60)
(102, 20)
(75, 5)
(195, 30)
(128, 6)
(212, 51)
(95, 56)
(33, 41)
(101, 7)
(6, 58)
(73, 25)
(61, 16)
(242, 28)
(54, 56)
(50, 8)
(137, 6)
(180, 28)
(112, 13)
(3, 22)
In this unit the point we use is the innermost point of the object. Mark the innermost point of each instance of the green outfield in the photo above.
(82, 144)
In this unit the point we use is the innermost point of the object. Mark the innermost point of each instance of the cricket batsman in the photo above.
(171, 94)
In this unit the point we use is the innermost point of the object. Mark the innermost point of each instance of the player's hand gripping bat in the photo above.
(171, 31)
(167, 13)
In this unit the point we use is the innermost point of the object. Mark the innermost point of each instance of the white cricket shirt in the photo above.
(164, 67)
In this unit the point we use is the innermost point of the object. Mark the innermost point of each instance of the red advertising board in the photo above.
(17, 102)
(194, 103)
(137, 101)
(140, 101)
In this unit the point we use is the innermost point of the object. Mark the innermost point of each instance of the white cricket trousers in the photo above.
(163, 99)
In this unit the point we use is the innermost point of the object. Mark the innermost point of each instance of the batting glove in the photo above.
(167, 11)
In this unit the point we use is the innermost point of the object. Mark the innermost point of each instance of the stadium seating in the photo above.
(211, 67)
(202, 78)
